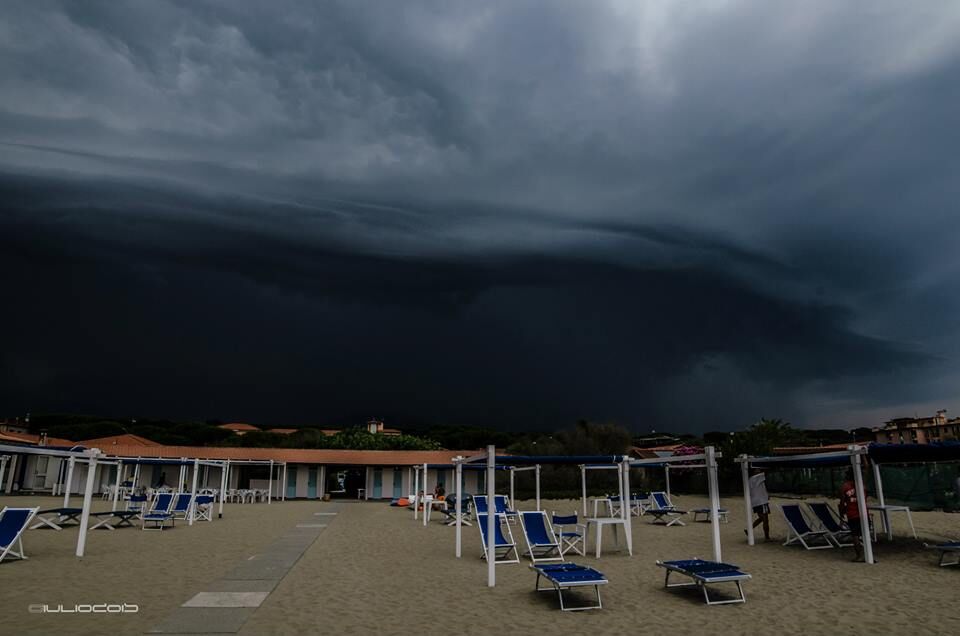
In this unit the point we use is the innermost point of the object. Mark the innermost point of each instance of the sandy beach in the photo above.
(374, 570)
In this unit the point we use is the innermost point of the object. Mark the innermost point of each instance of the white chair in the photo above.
(571, 533)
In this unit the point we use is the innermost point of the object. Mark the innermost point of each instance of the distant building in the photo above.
(919, 430)
(282, 431)
(376, 426)
(239, 428)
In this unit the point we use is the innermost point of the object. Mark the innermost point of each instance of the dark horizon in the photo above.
(513, 217)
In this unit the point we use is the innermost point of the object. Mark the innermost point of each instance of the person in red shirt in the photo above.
(848, 508)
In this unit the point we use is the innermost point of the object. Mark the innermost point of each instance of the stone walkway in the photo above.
(227, 603)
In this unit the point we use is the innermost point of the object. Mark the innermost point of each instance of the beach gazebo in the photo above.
(851, 456)
(708, 461)
(92, 458)
(512, 462)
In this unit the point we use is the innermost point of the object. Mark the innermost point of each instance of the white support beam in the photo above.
(193, 493)
(537, 476)
(87, 501)
(862, 506)
(459, 506)
(491, 516)
(714, 489)
(71, 462)
(224, 482)
(116, 487)
(747, 504)
(270, 485)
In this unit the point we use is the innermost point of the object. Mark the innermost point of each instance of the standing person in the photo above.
(851, 510)
(760, 501)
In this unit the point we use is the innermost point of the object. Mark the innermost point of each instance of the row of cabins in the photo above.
(297, 473)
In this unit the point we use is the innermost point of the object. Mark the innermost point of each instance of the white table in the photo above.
(599, 522)
(885, 517)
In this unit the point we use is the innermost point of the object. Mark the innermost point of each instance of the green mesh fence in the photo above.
(920, 486)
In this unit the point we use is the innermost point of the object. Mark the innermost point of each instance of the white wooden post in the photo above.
(459, 504)
(425, 511)
(491, 517)
(747, 505)
(87, 501)
(116, 488)
(193, 492)
(666, 472)
(224, 476)
(283, 483)
(536, 476)
(626, 504)
(270, 484)
(714, 488)
(183, 474)
(416, 491)
(861, 505)
(66, 490)
(583, 483)
(878, 482)
(513, 500)
(323, 480)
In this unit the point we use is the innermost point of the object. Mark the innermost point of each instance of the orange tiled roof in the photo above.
(33, 438)
(295, 455)
(127, 439)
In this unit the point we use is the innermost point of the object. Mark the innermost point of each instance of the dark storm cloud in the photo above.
(517, 213)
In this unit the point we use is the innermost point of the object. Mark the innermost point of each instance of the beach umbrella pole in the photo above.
(87, 502)
(583, 486)
(861, 505)
(537, 477)
(66, 491)
(193, 492)
(714, 502)
(748, 509)
(491, 517)
(459, 504)
(116, 488)
(224, 472)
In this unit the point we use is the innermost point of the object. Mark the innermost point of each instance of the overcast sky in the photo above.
(674, 215)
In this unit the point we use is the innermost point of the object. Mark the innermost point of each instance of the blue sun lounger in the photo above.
(56, 518)
(542, 544)
(113, 519)
(952, 547)
(704, 573)
(564, 576)
(13, 521)
(721, 513)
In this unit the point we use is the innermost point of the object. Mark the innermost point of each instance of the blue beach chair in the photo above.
(838, 531)
(159, 512)
(505, 550)
(181, 505)
(662, 509)
(542, 544)
(799, 531)
(571, 533)
(564, 576)
(704, 573)
(13, 521)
